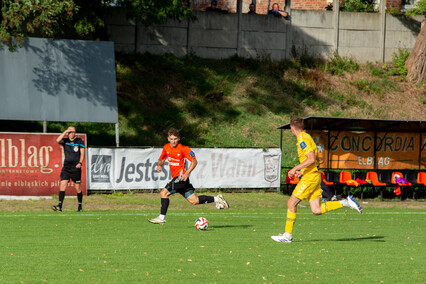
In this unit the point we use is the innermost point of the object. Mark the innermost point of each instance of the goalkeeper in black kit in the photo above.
(74, 151)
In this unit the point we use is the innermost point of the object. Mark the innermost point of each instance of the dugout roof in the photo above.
(356, 124)
(314, 123)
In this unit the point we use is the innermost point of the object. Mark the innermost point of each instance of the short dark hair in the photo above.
(297, 122)
(174, 132)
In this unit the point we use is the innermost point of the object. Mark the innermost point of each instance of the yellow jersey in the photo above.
(306, 144)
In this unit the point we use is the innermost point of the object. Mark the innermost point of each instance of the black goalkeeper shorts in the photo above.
(71, 173)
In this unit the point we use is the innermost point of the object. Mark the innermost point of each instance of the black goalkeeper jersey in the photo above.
(72, 150)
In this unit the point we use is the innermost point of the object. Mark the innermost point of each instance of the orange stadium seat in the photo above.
(374, 179)
(398, 174)
(293, 180)
(324, 180)
(346, 178)
(421, 178)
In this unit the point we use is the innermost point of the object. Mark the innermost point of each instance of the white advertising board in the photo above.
(113, 169)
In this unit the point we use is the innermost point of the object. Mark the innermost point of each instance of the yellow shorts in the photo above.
(309, 187)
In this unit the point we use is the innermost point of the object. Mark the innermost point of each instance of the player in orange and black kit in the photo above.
(177, 154)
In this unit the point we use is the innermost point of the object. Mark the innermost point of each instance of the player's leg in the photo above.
(79, 197)
(62, 186)
(186, 189)
(287, 237)
(165, 201)
(205, 199)
(334, 205)
(76, 177)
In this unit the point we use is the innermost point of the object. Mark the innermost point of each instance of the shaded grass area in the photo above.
(120, 246)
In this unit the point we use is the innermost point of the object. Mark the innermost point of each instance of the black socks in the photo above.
(164, 205)
(205, 199)
(61, 198)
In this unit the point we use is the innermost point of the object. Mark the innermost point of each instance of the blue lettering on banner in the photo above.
(303, 145)
(192, 154)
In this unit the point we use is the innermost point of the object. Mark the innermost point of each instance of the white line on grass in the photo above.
(233, 214)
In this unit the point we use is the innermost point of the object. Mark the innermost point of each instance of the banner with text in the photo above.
(217, 168)
(349, 150)
(31, 163)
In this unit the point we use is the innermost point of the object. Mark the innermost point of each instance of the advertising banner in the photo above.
(31, 163)
(217, 168)
(349, 150)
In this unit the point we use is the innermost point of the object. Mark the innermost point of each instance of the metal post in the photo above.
(188, 34)
(382, 29)
(117, 136)
(44, 126)
(239, 24)
(336, 11)
(375, 150)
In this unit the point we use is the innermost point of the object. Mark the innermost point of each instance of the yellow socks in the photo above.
(291, 218)
(330, 206)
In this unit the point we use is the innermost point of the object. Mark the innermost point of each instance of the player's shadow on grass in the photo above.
(372, 239)
(233, 226)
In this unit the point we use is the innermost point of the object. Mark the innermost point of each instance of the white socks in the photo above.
(288, 236)
(216, 199)
(344, 202)
(162, 217)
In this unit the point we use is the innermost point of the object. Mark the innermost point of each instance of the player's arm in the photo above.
(60, 137)
(160, 164)
(82, 156)
(190, 169)
(310, 159)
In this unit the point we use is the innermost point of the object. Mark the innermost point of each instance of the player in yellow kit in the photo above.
(309, 186)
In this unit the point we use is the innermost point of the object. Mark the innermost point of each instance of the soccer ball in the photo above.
(219, 205)
(201, 224)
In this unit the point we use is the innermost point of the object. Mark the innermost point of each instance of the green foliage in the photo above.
(150, 12)
(398, 59)
(337, 65)
(79, 18)
(374, 70)
(45, 16)
(419, 9)
(367, 86)
(375, 86)
(394, 11)
(358, 6)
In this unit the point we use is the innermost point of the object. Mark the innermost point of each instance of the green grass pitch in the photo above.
(120, 246)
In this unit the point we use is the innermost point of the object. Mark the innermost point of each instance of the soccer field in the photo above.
(120, 246)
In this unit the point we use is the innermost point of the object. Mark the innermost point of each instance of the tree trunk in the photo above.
(416, 62)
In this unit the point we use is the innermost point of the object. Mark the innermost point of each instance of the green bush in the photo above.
(357, 6)
(419, 9)
(337, 65)
(399, 60)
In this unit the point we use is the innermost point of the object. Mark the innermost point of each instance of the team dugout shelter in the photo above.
(377, 145)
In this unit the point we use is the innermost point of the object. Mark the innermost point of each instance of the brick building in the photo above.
(262, 5)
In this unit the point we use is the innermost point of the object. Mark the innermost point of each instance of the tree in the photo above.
(416, 61)
(19, 18)
(78, 18)
(150, 12)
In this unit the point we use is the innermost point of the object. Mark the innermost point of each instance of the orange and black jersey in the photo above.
(177, 158)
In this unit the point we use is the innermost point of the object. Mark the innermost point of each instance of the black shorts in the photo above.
(185, 188)
(71, 173)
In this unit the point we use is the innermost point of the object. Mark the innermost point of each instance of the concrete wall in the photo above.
(363, 36)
